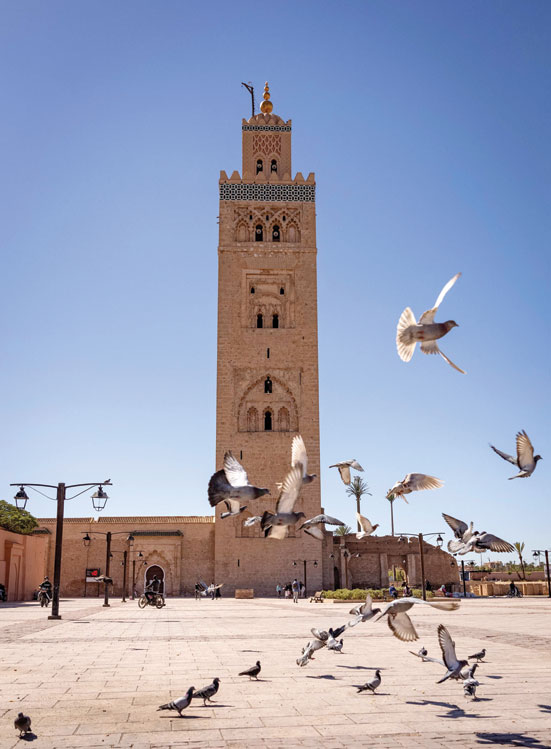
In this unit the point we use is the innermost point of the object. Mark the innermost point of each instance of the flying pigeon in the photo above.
(414, 482)
(232, 482)
(400, 623)
(250, 672)
(365, 525)
(298, 455)
(23, 724)
(525, 460)
(311, 526)
(371, 685)
(207, 693)
(180, 704)
(469, 540)
(468, 673)
(344, 469)
(422, 652)
(276, 525)
(309, 650)
(479, 656)
(451, 662)
(426, 331)
(233, 508)
(469, 688)
(251, 521)
(363, 612)
(335, 646)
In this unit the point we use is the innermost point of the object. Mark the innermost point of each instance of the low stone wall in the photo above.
(536, 588)
(244, 592)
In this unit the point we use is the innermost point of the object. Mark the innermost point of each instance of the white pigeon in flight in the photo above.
(344, 468)
(525, 460)
(414, 482)
(366, 526)
(426, 331)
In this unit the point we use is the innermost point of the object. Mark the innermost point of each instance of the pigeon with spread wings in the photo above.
(414, 482)
(275, 525)
(468, 540)
(525, 460)
(344, 469)
(232, 482)
(311, 526)
(426, 331)
(400, 623)
(366, 526)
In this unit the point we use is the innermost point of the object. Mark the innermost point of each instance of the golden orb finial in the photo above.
(266, 106)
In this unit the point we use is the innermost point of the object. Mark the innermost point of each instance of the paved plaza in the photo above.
(95, 678)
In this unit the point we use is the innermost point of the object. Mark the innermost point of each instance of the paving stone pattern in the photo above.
(95, 678)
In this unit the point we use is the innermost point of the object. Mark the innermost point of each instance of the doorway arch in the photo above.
(155, 569)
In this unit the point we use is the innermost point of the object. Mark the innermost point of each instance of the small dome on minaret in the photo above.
(266, 106)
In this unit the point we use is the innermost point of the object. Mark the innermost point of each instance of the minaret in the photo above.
(267, 381)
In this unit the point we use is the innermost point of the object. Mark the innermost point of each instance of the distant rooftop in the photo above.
(131, 519)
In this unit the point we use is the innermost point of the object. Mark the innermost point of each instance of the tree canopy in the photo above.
(15, 520)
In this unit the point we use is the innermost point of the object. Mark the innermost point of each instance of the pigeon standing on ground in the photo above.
(469, 682)
(23, 724)
(250, 672)
(276, 525)
(371, 685)
(414, 482)
(479, 656)
(207, 693)
(400, 623)
(525, 460)
(426, 331)
(232, 482)
(311, 526)
(365, 525)
(344, 469)
(452, 663)
(468, 540)
(180, 704)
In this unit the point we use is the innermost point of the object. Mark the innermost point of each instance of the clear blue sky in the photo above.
(427, 125)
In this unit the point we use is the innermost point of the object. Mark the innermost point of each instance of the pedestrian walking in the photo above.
(295, 589)
(278, 590)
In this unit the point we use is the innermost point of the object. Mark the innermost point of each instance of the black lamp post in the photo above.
(108, 555)
(315, 563)
(537, 553)
(420, 536)
(61, 496)
(139, 555)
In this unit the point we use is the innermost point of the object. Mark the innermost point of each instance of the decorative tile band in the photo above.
(276, 128)
(287, 193)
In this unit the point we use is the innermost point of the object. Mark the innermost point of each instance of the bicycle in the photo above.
(156, 600)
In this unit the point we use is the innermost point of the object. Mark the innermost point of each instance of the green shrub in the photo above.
(15, 520)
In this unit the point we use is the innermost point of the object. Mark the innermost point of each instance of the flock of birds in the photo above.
(231, 486)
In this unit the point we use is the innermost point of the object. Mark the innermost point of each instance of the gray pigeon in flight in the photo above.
(399, 622)
(451, 662)
(309, 650)
(468, 540)
(414, 482)
(233, 508)
(426, 331)
(371, 685)
(180, 704)
(311, 526)
(366, 526)
(275, 525)
(344, 469)
(23, 724)
(250, 672)
(363, 612)
(251, 521)
(207, 693)
(299, 455)
(525, 460)
(232, 482)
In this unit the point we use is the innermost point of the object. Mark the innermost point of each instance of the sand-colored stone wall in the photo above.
(22, 563)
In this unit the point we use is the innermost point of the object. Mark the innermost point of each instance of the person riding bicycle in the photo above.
(152, 589)
(46, 587)
(513, 590)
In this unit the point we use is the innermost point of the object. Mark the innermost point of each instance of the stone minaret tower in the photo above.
(267, 383)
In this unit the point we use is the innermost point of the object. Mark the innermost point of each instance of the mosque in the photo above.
(267, 392)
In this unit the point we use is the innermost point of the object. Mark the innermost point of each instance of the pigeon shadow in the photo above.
(30, 736)
(250, 651)
(509, 739)
(364, 668)
(545, 708)
(454, 711)
(323, 676)
(189, 717)
(487, 676)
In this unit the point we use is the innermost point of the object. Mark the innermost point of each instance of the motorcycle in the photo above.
(43, 597)
(157, 600)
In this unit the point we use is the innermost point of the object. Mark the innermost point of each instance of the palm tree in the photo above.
(391, 499)
(342, 530)
(357, 488)
(519, 546)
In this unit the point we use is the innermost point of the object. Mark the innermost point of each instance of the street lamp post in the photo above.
(420, 536)
(61, 496)
(139, 556)
(315, 562)
(537, 552)
(108, 554)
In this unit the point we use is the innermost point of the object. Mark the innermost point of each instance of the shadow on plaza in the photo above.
(454, 711)
(509, 739)
(30, 736)
(323, 676)
(545, 708)
(363, 668)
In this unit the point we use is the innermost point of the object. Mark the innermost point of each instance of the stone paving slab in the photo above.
(95, 678)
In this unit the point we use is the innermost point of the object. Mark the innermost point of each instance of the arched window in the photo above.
(283, 420)
(281, 291)
(252, 289)
(258, 233)
(275, 233)
(242, 233)
(292, 234)
(267, 385)
(275, 321)
(273, 166)
(259, 166)
(259, 321)
(252, 420)
(267, 421)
